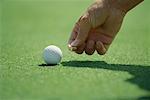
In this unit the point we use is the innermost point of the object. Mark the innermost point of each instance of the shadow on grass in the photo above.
(47, 65)
(141, 73)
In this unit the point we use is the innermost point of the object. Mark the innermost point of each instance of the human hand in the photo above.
(97, 28)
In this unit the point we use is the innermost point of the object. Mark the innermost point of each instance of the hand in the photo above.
(96, 29)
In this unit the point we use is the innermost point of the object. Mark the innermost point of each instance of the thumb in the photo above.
(82, 34)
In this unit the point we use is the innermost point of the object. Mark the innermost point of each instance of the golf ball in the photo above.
(52, 55)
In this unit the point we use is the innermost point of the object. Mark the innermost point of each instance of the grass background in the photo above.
(28, 26)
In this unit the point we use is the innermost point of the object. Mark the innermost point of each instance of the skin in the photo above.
(98, 26)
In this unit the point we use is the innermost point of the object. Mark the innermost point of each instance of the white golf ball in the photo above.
(52, 55)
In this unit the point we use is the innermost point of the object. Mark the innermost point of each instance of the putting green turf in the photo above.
(28, 26)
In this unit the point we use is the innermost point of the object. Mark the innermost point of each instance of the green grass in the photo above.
(28, 26)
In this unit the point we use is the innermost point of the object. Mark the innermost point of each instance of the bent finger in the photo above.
(80, 49)
(100, 48)
(84, 28)
(73, 33)
(90, 47)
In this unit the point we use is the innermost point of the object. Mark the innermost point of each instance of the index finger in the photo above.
(74, 33)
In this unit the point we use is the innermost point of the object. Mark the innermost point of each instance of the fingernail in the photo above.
(72, 48)
(102, 47)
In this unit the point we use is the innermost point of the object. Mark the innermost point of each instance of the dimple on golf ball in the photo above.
(52, 55)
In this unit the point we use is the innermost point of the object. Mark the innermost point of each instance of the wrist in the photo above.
(125, 5)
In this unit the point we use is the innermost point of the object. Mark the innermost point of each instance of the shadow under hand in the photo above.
(141, 73)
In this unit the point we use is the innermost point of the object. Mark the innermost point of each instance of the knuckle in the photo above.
(84, 18)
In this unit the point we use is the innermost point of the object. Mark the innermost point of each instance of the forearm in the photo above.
(125, 5)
